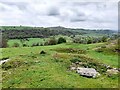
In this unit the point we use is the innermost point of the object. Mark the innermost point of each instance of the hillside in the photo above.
(27, 68)
(17, 32)
(37, 57)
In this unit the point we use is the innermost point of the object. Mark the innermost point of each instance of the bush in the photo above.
(35, 44)
(24, 45)
(99, 50)
(51, 41)
(77, 39)
(16, 44)
(71, 50)
(75, 60)
(3, 43)
(61, 40)
(89, 41)
(104, 39)
(103, 46)
(42, 52)
(101, 69)
(12, 64)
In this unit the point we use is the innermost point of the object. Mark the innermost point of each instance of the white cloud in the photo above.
(44, 13)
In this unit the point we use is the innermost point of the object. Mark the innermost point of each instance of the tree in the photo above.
(3, 43)
(61, 40)
(51, 41)
(89, 41)
(104, 39)
(77, 39)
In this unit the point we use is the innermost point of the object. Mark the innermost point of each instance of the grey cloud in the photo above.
(81, 3)
(53, 11)
(2, 9)
(79, 17)
(20, 5)
(65, 13)
(77, 20)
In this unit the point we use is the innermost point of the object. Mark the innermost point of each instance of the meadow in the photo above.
(28, 68)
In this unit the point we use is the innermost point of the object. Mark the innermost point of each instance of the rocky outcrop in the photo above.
(112, 71)
(88, 72)
(3, 61)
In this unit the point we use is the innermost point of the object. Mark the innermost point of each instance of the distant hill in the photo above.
(14, 32)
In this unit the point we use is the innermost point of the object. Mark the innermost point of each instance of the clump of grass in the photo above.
(12, 64)
(114, 76)
(71, 50)
(75, 60)
(99, 50)
(42, 52)
(4, 58)
(60, 56)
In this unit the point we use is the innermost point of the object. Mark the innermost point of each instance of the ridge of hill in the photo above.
(13, 32)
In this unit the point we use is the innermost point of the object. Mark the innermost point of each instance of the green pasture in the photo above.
(34, 70)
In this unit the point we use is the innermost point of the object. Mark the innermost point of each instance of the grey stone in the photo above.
(112, 71)
(88, 72)
(72, 68)
(3, 61)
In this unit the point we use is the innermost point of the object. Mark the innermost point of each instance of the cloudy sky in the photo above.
(48, 13)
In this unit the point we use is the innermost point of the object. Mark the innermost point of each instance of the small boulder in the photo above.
(72, 68)
(112, 71)
(87, 72)
(42, 52)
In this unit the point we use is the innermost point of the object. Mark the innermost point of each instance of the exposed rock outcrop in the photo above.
(88, 72)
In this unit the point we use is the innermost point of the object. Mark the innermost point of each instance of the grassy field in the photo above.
(32, 41)
(27, 68)
(29, 43)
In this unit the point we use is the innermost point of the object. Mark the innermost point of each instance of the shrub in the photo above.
(24, 45)
(89, 41)
(61, 40)
(101, 69)
(113, 76)
(41, 44)
(51, 41)
(16, 44)
(45, 43)
(103, 46)
(71, 50)
(12, 64)
(42, 52)
(35, 44)
(3, 43)
(4, 58)
(77, 40)
(75, 60)
(104, 39)
(99, 50)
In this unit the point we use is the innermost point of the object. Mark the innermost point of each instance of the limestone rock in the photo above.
(72, 68)
(88, 72)
(112, 71)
